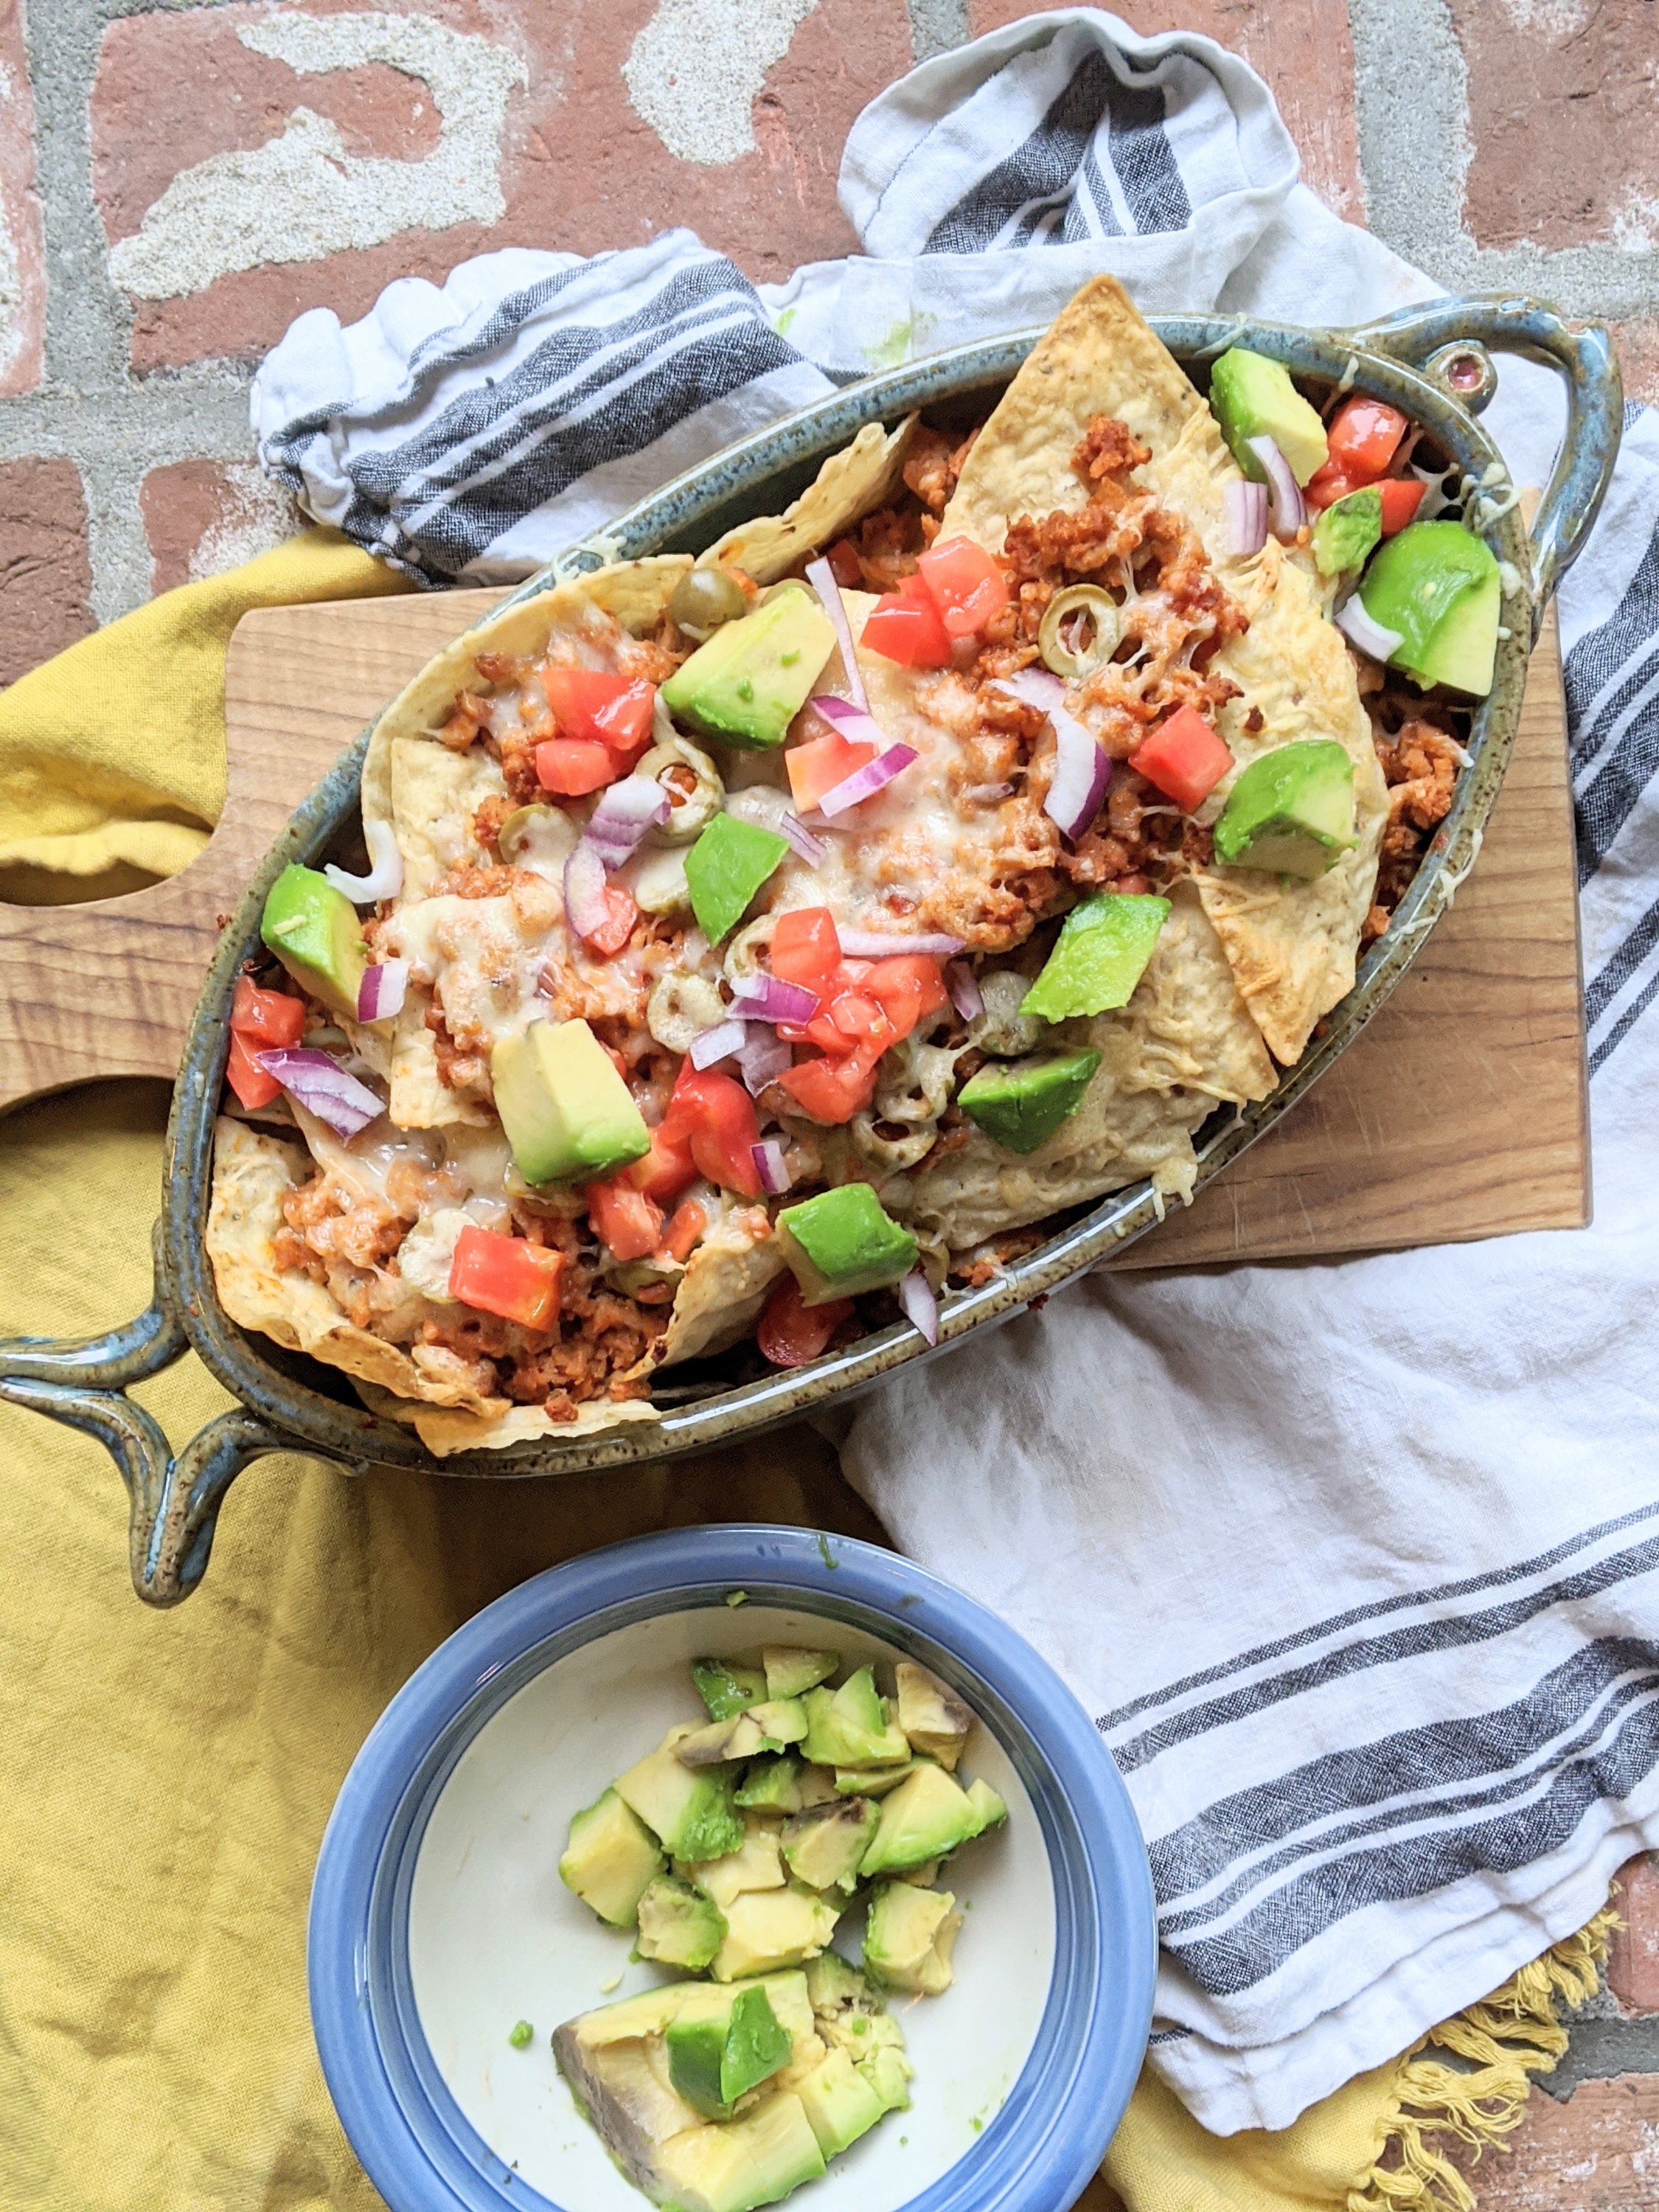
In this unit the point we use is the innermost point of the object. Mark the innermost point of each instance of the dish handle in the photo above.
(1449, 340)
(175, 1498)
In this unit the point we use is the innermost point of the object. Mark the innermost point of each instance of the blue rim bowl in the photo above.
(1039, 2150)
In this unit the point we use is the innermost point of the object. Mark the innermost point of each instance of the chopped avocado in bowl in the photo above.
(972, 1941)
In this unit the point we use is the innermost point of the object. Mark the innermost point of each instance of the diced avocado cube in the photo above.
(1101, 954)
(1254, 398)
(781, 1720)
(1290, 811)
(740, 1737)
(766, 1928)
(851, 1726)
(839, 2103)
(925, 1818)
(771, 1785)
(755, 1864)
(817, 1783)
(611, 1859)
(713, 2063)
(1347, 532)
(677, 1926)
(567, 1114)
(871, 1781)
(989, 1811)
(754, 676)
(733, 2166)
(934, 1719)
(1438, 585)
(726, 1690)
(1019, 1103)
(790, 1671)
(315, 931)
(689, 1808)
(842, 1241)
(825, 1847)
(888, 2071)
(833, 1983)
(909, 1937)
(725, 867)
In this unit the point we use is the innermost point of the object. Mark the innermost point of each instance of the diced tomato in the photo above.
(687, 1224)
(714, 1116)
(791, 1333)
(821, 764)
(1184, 757)
(666, 1168)
(592, 702)
(904, 625)
(1363, 436)
(806, 949)
(253, 1084)
(620, 914)
(572, 766)
(845, 565)
(908, 986)
(1402, 497)
(966, 585)
(832, 1089)
(507, 1275)
(1326, 485)
(624, 1219)
(268, 1020)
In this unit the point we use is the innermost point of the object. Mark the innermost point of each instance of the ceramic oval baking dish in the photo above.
(1432, 361)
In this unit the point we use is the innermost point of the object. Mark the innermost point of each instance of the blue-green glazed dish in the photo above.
(1431, 361)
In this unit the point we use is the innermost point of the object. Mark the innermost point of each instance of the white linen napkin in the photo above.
(1357, 1564)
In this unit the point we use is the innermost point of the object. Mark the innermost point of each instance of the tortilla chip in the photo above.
(848, 485)
(723, 1288)
(434, 794)
(251, 1174)
(1183, 1044)
(1293, 946)
(446, 1432)
(419, 1096)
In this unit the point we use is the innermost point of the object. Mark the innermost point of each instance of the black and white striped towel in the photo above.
(1358, 1564)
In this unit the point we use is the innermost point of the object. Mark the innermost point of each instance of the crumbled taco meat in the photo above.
(1419, 746)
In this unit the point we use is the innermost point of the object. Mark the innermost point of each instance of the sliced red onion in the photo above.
(763, 1058)
(865, 782)
(625, 811)
(882, 944)
(717, 1043)
(385, 878)
(856, 724)
(1289, 510)
(584, 904)
(1082, 771)
(1246, 508)
(316, 1081)
(916, 1296)
(381, 993)
(1037, 687)
(966, 996)
(807, 847)
(775, 1176)
(821, 577)
(770, 999)
(1369, 636)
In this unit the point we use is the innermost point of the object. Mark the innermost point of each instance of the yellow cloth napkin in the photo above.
(167, 1777)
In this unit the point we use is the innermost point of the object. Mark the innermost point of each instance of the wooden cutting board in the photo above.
(1460, 1113)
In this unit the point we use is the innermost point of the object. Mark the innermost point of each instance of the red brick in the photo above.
(1638, 356)
(1597, 2151)
(580, 169)
(1303, 49)
(22, 256)
(1561, 106)
(1633, 1960)
(46, 579)
(203, 517)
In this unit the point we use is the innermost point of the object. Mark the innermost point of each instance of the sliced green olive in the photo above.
(704, 598)
(1079, 630)
(695, 793)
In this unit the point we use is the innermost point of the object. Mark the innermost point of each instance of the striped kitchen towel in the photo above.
(1357, 1563)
